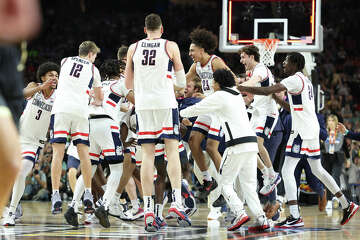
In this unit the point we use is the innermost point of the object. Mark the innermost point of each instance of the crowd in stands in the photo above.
(64, 28)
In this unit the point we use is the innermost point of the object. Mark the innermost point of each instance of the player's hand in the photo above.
(341, 128)
(96, 103)
(131, 143)
(46, 84)
(183, 130)
(186, 122)
(199, 95)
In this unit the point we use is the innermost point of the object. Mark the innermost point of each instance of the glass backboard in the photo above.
(296, 23)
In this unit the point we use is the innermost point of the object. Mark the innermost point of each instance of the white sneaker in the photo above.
(134, 214)
(90, 218)
(9, 220)
(270, 183)
(115, 209)
(215, 213)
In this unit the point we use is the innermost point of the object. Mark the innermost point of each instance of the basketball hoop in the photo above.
(267, 48)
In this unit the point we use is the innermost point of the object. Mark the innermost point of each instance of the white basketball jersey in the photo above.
(77, 77)
(35, 120)
(114, 92)
(153, 84)
(302, 105)
(206, 75)
(263, 104)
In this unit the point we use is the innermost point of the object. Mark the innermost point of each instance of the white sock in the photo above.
(206, 175)
(55, 191)
(344, 202)
(176, 195)
(78, 191)
(271, 171)
(148, 204)
(135, 204)
(113, 182)
(19, 185)
(117, 196)
(159, 210)
(294, 211)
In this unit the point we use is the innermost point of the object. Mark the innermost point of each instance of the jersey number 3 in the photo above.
(39, 112)
(149, 57)
(76, 69)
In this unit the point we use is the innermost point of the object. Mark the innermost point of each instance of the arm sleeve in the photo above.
(209, 104)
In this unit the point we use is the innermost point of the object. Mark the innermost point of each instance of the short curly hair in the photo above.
(224, 78)
(111, 68)
(204, 39)
(45, 68)
(297, 59)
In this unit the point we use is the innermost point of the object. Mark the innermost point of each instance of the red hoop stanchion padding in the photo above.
(267, 48)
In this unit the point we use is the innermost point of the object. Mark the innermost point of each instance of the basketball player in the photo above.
(78, 75)
(240, 157)
(203, 43)
(264, 113)
(105, 138)
(34, 125)
(121, 53)
(304, 137)
(149, 66)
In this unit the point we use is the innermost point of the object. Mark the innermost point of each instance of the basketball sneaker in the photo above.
(103, 217)
(150, 223)
(88, 202)
(18, 212)
(208, 186)
(177, 212)
(134, 214)
(215, 213)
(260, 225)
(56, 203)
(349, 212)
(270, 183)
(238, 221)
(90, 218)
(71, 217)
(161, 222)
(188, 198)
(219, 202)
(290, 222)
(9, 220)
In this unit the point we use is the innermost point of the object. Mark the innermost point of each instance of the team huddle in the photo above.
(143, 114)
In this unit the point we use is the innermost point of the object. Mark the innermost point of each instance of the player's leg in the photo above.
(29, 154)
(107, 136)
(72, 165)
(136, 211)
(160, 165)
(288, 169)
(349, 208)
(60, 124)
(248, 180)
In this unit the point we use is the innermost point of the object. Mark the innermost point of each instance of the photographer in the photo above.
(36, 187)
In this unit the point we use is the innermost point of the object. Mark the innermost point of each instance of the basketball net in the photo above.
(267, 48)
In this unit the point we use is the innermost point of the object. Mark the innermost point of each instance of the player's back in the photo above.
(153, 84)
(264, 104)
(75, 81)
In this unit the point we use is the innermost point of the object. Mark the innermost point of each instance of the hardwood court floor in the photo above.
(38, 223)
